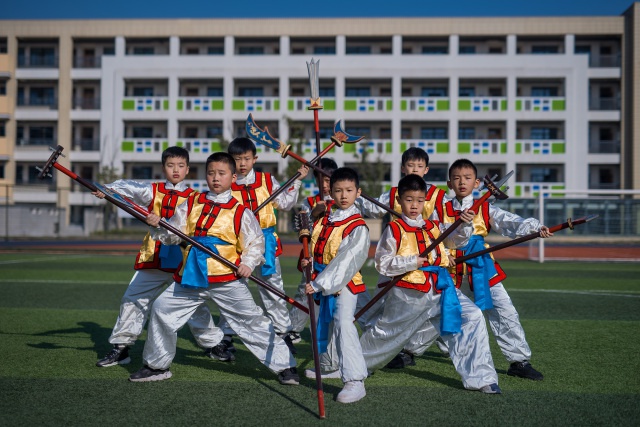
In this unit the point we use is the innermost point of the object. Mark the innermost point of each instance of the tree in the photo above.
(371, 173)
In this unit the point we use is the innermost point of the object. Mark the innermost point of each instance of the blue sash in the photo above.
(450, 309)
(195, 274)
(170, 256)
(325, 315)
(482, 270)
(270, 247)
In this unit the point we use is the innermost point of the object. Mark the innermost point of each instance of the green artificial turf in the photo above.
(56, 313)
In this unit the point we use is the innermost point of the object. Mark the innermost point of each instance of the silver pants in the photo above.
(406, 310)
(343, 351)
(144, 288)
(274, 306)
(176, 304)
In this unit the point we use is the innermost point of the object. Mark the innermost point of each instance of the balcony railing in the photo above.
(604, 104)
(300, 103)
(86, 144)
(431, 146)
(145, 103)
(32, 142)
(482, 146)
(424, 103)
(264, 103)
(540, 103)
(482, 103)
(368, 103)
(37, 62)
(200, 145)
(200, 103)
(27, 101)
(144, 145)
(87, 62)
(605, 61)
(532, 189)
(605, 186)
(83, 103)
(540, 146)
(604, 147)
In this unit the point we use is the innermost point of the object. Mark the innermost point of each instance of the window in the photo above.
(215, 50)
(385, 133)
(142, 132)
(214, 91)
(438, 173)
(433, 133)
(250, 91)
(359, 130)
(358, 91)
(434, 91)
(494, 133)
(191, 132)
(467, 133)
(42, 56)
(251, 50)
(297, 50)
(539, 174)
(141, 172)
(495, 49)
(544, 133)
(328, 92)
(41, 96)
(405, 133)
(543, 50)
(3, 87)
(40, 135)
(108, 50)
(192, 51)
(605, 50)
(324, 50)
(385, 91)
(582, 49)
(297, 91)
(435, 50)
(326, 132)
(214, 132)
(385, 50)
(467, 50)
(544, 91)
(142, 91)
(3, 129)
(191, 91)
(358, 50)
(495, 91)
(605, 134)
(143, 50)
(467, 91)
(606, 176)
(2, 173)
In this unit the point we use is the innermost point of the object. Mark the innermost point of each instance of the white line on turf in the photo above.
(86, 282)
(624, 294)
(19, 261)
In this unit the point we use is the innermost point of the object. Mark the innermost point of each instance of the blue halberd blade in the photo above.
(261, 136)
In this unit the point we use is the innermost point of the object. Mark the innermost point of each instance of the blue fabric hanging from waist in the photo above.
(325, 315)
(270, 247)
(482, 269)
(170, 256)
(195, 273)
(450, 309)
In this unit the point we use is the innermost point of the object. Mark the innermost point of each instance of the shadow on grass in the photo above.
(98, 334)
(330, 390)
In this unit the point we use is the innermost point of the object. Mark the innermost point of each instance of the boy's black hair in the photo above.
(240, 146)
(175, 152)
(411, 183)
(344, 174)
(222, 157)
(463, 163)
(328, 165)
(415, 153)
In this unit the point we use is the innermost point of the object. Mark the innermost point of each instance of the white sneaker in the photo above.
(311, 373)
(352, 392)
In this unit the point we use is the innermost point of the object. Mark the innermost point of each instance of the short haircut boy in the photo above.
(463, 163)
(240, 146)
(344, 174)
(222, 157)
(415, 153)
(327, 165)
(411, 183)
(175, 152)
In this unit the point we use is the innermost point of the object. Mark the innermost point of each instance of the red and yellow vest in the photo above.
(325, 241)
(221, 220)
(433, 201)
(482, 227)
(163, 204)
(313, 201)
(414, 241)
(252, 196)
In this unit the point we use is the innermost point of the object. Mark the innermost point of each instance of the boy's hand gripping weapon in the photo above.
(141, 214)
(304, 235)
(492, 190)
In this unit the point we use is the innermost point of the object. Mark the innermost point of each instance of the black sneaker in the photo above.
(402, 360)
(119, 355)
(228, 342)
(289, 342)
(220, 352)
(146, 374)
(524, 370)
(289, 377)
(295, 337)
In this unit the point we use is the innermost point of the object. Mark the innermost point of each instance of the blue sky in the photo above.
(96, 9)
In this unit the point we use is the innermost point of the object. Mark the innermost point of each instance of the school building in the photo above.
(557, 99)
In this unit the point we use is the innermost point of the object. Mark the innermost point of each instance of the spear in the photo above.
(141, 214)
(569, 224)
(315, 102)
(492, 190)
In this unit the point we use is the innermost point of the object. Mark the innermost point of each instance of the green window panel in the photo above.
(290, 104)
(149, 108)
(442, 105)
(442, 147)
(403, 105)
(128, 146)
(557, 148)
(503, 105)
(165, 145)
(350, 105)
(371, 109)
(557, 105)
(388, 148)
(557, 187)
(276, 105)
(464, 148)
(237, 105)
(128, 104)
(389, 105)
(217, 104)
(464, 105)
(518, 147)
(518, 105)
(179, 144)
(518, 190)
(403, 146)
(180, 105)
(325, 145)
(165, 104)
(503, 148)
(349, 148)
(330, 105)
(215, 146)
